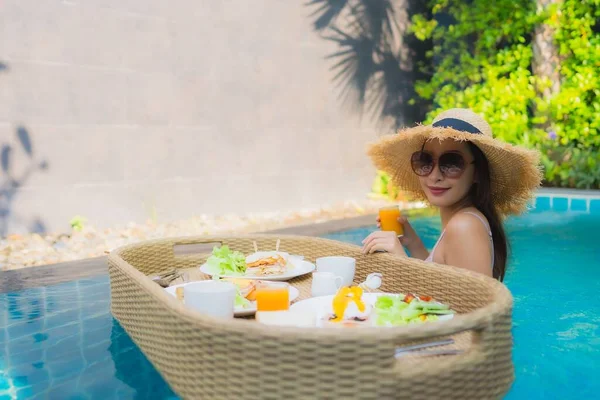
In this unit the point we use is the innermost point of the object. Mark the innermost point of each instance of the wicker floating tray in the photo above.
(207, 358)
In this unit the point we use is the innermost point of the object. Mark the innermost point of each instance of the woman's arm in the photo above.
(412, 241)
(467, 245)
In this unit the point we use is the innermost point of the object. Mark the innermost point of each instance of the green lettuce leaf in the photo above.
(224, 261)
(392, 311)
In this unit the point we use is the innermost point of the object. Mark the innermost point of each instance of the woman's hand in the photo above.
(383, 240)
(409, 239)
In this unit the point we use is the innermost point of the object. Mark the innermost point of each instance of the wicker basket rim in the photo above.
(479, 319)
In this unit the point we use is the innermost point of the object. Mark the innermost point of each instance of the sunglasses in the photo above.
(451, 164)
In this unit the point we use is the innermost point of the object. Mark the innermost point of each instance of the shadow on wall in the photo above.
(378, 59)
(12, 180)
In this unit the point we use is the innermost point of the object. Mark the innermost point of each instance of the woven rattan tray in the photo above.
(207, 358)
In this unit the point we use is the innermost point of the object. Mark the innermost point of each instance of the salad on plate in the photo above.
(351, 307)
(394, 310)
(270, 265)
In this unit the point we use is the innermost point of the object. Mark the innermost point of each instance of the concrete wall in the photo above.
(184, 106)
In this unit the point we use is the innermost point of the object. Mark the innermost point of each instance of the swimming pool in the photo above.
(61, 342)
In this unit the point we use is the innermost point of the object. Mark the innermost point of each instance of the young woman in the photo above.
(455, 164)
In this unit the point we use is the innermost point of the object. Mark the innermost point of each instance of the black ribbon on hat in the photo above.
(457, 124)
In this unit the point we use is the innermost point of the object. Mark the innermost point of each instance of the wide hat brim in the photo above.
(514, 171)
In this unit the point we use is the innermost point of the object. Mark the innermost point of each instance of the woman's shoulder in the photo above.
(468, 243)
(468, 223)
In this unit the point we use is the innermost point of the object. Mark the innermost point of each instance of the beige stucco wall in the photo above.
(182, 106)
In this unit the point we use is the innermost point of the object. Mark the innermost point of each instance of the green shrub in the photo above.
(576, 108)
(382, 187)
(483, 60)
(570, 166)
(77, 223)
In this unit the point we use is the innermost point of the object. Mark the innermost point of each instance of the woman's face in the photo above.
(444, 191)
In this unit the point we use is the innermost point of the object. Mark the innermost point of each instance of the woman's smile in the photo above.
(437, 191)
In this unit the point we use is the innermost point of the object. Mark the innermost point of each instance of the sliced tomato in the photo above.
(408, 298)
(426, 298)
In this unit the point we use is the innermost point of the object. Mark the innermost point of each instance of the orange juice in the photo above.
(388, 217)
(272, 297)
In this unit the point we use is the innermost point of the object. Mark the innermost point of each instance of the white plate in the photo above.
(239, 311)
(322, 305)
(299, 268)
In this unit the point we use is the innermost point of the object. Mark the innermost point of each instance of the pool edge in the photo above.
(51, 274)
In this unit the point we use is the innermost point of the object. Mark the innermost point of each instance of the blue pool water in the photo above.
(554, 276)
(60, 342)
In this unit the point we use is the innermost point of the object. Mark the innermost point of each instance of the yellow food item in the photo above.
(246, 286)
(252, 295)
(241, 283)
(343, 297)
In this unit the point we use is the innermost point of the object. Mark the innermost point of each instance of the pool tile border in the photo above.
(562, 200)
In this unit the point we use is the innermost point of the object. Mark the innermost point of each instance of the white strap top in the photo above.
(483, 221)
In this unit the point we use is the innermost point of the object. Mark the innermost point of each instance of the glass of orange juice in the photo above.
(388, 218)
(272, 296)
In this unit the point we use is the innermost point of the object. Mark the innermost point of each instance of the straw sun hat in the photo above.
(515, 172)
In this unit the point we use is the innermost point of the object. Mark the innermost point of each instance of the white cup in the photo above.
(325, 284)
(211, 297)
(339, 266)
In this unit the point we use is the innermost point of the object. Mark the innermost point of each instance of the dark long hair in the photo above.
(481, 196)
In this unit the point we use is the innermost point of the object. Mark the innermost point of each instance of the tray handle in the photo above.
(194, 247)
(491, 342)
